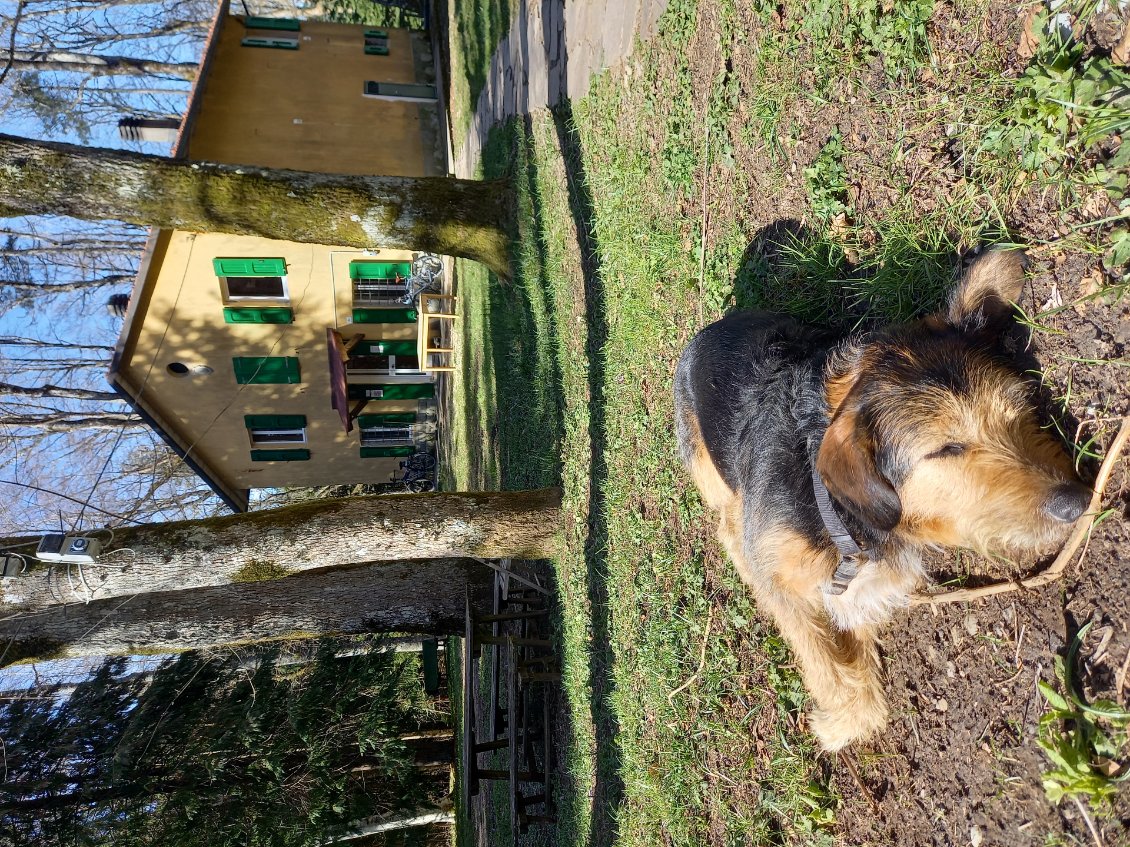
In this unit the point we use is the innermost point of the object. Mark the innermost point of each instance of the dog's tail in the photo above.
(840, 668)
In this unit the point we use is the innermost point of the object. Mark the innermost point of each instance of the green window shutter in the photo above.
(400, 90)
(274, 421)
(385, 348)
(249, 267)
(288, 24)
(266, 370)
(376, 33)
(379, 270)
(292, 455)
(385, 452)
(276, 43)
(392, 391)
(384, 418)
(384, 316)
(247, 315)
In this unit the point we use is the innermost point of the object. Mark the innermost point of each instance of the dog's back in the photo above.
(744, 380)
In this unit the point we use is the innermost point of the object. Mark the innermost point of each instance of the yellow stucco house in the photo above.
(228, 344)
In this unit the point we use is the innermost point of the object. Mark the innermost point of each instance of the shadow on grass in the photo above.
(528, 423)
(609, 786)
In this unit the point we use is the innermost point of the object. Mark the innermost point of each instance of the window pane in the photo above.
(278, 436)
(256, 286)
(377, 435)
(370, 363)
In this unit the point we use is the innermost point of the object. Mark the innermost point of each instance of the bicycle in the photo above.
(419, 473)
(427, 268)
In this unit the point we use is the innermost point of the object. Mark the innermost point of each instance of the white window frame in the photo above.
(254, 298)
(296, 436)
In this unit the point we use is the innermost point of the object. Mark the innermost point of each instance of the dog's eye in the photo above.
(946, 451)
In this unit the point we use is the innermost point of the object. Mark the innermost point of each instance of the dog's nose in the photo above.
(1067, 502)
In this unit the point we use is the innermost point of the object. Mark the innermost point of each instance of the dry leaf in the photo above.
(1092, 283)
(1029, 39)
(1120, 55)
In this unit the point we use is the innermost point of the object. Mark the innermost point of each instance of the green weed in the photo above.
(1083, 741)
(826, 180)
(1062, 107)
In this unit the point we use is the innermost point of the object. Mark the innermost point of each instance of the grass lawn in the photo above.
(832, 162)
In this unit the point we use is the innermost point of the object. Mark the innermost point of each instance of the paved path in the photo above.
(553, 49)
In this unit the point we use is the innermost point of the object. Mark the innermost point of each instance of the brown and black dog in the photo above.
(915, 436)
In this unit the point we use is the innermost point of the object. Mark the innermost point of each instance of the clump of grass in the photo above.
(1084, 742)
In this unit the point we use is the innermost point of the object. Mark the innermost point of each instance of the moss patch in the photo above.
(260, 570)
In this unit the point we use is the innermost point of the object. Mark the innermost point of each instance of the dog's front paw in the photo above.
(849, 723)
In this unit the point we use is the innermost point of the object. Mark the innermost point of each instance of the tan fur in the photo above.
(840, 667)
(995, 279)
(714, 490)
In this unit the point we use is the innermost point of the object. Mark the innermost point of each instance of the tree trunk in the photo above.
(449, 216)
(86, 63)
(422, 596)
(259, 546)
(403, 820)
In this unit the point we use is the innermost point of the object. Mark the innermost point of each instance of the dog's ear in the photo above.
(846, 463)
(983, 300)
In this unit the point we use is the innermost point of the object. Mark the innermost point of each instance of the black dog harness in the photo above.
(852, 556)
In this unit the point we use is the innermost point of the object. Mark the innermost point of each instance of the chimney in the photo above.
(161, 130)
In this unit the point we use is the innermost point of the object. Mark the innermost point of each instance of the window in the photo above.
(276, 43)
(276, 429)
(409, 91)
(387, 429)
(250, 280)
(379, 283)
(376, 42)
(386, 436)
(385, 358)
(266, 370)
